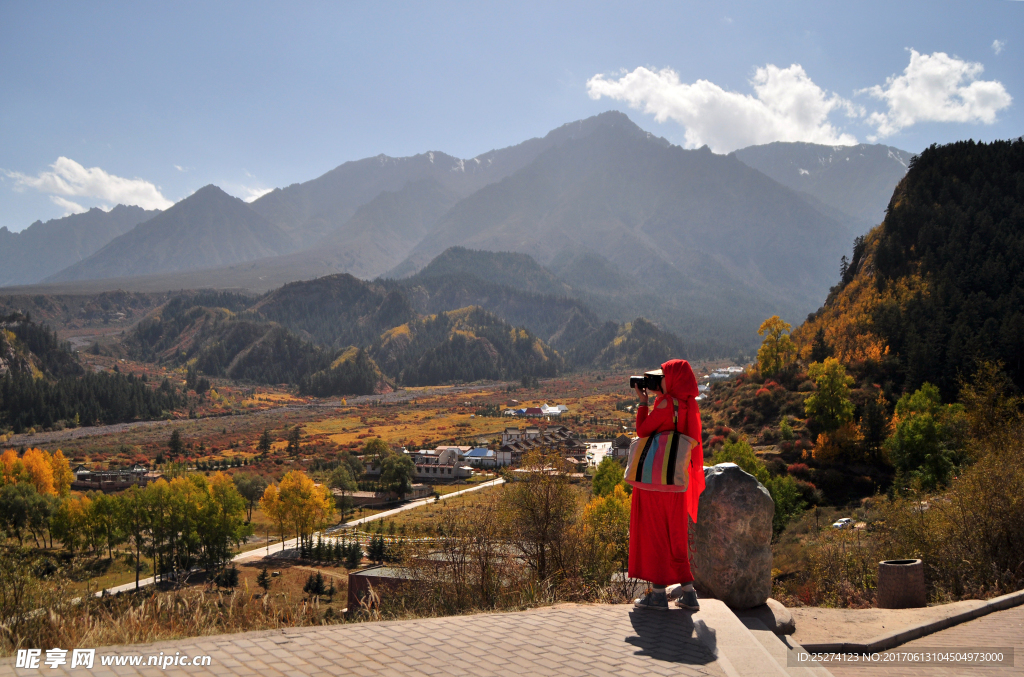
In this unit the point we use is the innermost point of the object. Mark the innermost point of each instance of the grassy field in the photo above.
(420, 520)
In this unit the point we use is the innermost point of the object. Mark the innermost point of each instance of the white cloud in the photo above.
(71, 179)
(936, 88)
(253, 194)
(786, 106)
(180, 168)
(997, 46)
(68, 206)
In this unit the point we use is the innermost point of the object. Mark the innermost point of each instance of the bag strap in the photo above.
(675, 415)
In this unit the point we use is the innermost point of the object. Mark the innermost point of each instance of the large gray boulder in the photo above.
(731, 546)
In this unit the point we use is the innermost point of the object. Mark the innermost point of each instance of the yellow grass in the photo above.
(429, 514)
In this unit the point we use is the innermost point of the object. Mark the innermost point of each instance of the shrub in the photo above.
(842, 445)
(800, 471)
(809, 492)
(776, 466)
(227, 578)
(788, 501)
(929, 438)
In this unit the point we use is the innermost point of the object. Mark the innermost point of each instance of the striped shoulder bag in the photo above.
(661, 462)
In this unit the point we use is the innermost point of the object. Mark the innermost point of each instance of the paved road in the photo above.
(564, 641)
(999, 629)
(258, 553)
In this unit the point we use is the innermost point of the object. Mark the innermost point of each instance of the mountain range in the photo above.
(208, 229)
(617, 218)
(856, 180)
(43, 249)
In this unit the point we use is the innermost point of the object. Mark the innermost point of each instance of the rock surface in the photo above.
(730, 551)
(775, 616)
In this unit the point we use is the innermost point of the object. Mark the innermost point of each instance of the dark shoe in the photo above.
(688, 600)
(656, 601)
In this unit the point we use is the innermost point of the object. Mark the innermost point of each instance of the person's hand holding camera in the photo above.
(641, 393)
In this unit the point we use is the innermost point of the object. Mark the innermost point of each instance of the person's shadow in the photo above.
(671, 636)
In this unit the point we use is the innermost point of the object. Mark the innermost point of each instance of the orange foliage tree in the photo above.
(49, 473)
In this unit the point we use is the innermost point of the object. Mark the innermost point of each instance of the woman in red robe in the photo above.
(658, 529)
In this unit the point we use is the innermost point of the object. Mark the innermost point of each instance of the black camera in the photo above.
(651, 380)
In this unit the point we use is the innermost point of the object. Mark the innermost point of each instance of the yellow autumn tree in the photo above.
(777, 351)
(62, 475)
(40, 472)
(308, 507)
(297, 504)
(49, 473)
(274, 509)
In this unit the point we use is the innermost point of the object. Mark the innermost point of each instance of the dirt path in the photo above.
(816, 625)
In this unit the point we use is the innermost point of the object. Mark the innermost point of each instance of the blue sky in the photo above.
(147, 102)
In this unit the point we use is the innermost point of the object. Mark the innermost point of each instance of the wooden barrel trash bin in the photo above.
(901, 584)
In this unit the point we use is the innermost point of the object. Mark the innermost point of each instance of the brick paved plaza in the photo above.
(999, 629)
(567, 640)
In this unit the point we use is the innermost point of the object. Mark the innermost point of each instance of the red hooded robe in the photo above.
(658, 524)
(678, 382)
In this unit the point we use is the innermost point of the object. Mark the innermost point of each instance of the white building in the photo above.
(434, 464)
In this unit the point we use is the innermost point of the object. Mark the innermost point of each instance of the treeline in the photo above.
(91, 399)
(182, 523)
(190, 521)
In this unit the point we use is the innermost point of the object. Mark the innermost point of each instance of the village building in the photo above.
(441, 464)
(482, 457)
(544, 411)
(372, 499)
(112, 480)
(620, 447)
(516, 442)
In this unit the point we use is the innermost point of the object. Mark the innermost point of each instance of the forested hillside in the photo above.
(339, 335)
(233, 336)
(938, 287)
(42, 385)
(464, 345)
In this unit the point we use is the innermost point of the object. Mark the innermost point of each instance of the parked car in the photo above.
(844, 523)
